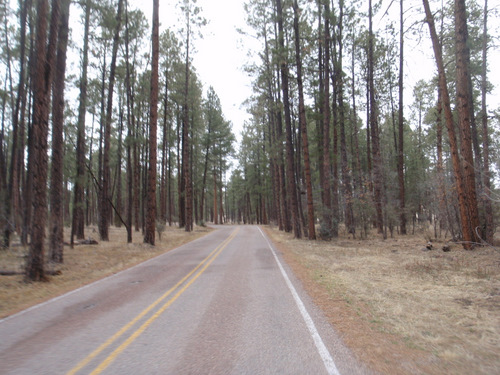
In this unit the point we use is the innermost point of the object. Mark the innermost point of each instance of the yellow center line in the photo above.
(126, 327)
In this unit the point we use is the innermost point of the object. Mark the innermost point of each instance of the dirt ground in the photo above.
(401, 310)
(404, 309)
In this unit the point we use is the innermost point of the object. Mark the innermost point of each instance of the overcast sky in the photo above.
(222, 52)
(220, 55)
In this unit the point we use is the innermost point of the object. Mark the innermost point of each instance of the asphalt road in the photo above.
(223, 304)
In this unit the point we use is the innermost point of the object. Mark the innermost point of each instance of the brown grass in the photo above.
(82, 265)
(404, 310)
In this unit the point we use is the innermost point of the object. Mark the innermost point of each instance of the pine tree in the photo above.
(149, 235)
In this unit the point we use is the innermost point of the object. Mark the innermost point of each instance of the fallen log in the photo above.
(13, 273)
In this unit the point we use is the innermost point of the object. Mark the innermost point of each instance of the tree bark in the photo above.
(105, 209)
(290, 163)
(216, 215)
(489, 224)
(149, 236)
(325, 152)
(346, 171)
(186, 178)
(56, 177)
(118, 174)
(13, 197)
(358, 185)
(78, 222)
(164, 156)
(374, 132)
(45, 57)
(284, 200)
(311, 231)
(457, 166)
(272, 119)
(401, 175)
(465, 111)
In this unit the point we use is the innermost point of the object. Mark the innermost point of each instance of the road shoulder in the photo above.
(381, 352)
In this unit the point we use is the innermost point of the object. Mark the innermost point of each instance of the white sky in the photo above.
(222, 52)
(219, 57)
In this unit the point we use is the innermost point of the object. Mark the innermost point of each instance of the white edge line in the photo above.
(34, 307)
(320, 346)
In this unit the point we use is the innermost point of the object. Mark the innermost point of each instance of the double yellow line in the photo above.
(200, 268)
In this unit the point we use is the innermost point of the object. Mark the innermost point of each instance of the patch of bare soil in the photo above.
(403, 310)
(82, 265)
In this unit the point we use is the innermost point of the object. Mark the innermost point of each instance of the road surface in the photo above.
(223, 304)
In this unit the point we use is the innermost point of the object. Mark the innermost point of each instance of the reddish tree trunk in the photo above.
(401, 175)
(374, 132)
(105, 212)
(303, 127)
(464, 121)
(325, 152)
(164, 156)
(56, 177)
(149, 235)
(78, 222)
(45, 58)
(488, 208)
(13, 197)
(346, 171)
(455, 157)
(290, 163)
(216, 215)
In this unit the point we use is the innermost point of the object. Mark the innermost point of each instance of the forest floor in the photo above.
(400, 309)
(403, 310)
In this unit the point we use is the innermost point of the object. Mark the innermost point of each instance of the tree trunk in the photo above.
(13, 197)
(149, 236)
(216, 215)
(303, 127)
(346, 171)
(181, 192)
(335, 138)
(186, 165)
(56, 177)
(118, 174)
(105, 208)
(445, 215)
(78, 222)
(284, 201)
(401, 175)
(467, 233)
(290, 162)
(170, 196)
(272, 119)
(5, 183)
(164, 154)
(358, 185)
(132, 198)
(325, 152)
(45, 58)
(221, 199)
(374, 132)
(489, 229)
(205, 169)
(464, 120)
(90, 201)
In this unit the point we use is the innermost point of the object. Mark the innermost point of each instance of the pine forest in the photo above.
(105, 122)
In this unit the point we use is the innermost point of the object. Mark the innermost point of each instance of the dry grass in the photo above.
(82, 265)
(404, 310)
